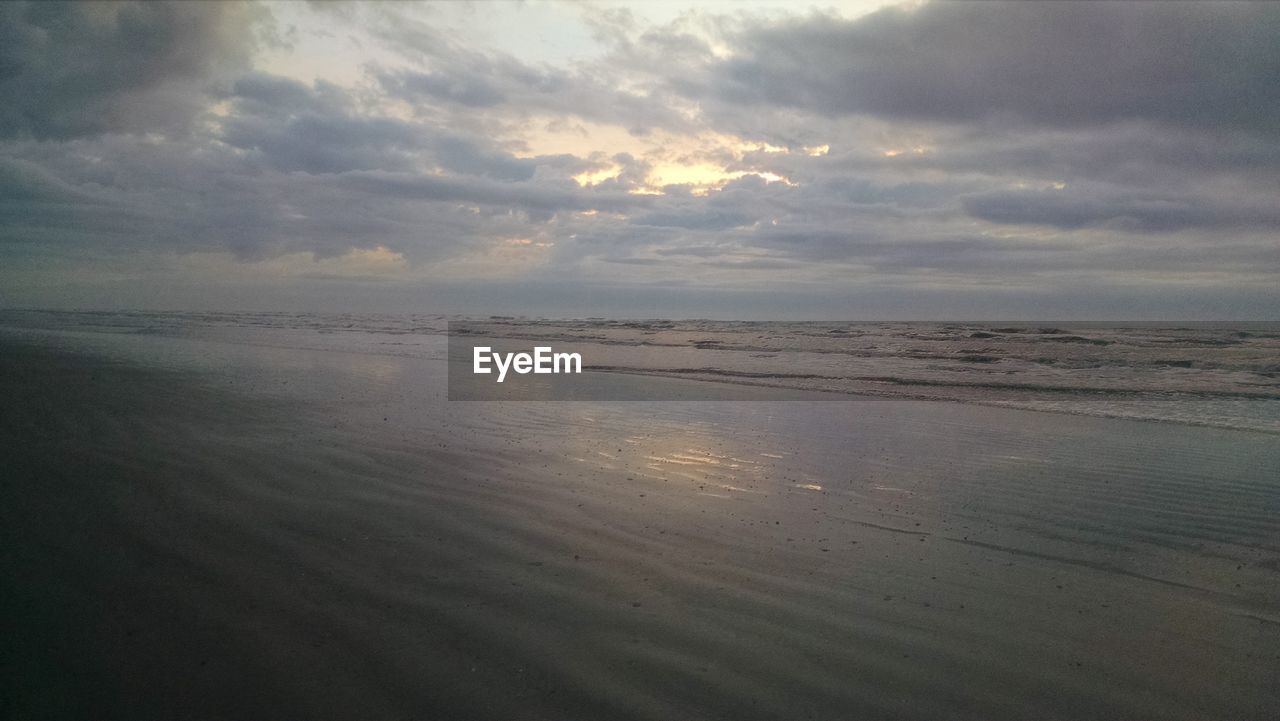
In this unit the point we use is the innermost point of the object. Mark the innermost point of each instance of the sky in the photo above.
(865, 160)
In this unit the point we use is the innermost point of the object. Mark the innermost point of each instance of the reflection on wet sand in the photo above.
(329, 544)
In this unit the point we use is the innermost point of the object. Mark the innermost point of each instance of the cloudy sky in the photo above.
(752, 160)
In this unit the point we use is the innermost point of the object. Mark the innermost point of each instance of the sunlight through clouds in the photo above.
(868, 150)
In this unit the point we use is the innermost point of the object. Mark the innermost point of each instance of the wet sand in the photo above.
(202, 530)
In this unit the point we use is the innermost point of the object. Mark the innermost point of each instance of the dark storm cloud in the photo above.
(1056, 64)
(69, 70)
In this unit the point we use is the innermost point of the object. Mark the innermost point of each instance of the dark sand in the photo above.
(232, 532)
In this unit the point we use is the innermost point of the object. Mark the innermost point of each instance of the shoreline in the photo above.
(714, 385)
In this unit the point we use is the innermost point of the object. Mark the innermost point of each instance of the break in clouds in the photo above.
(927, 160)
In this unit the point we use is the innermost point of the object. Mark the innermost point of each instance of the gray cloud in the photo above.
(455, 79)
(69, 70)
(699, 219)
(530, 196)
(1056, 64)
(470, 89)
(463, 156)
(1123, 211)
(316, 143)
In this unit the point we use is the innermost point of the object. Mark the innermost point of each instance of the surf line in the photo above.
(542, 360)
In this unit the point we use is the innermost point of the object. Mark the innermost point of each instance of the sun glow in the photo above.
(673, 159)
(703, 177)
(915, 150)
(595, 177)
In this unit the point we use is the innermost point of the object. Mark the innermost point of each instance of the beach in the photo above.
(295, 523)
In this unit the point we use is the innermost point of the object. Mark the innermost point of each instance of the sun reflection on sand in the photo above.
(679, 460)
